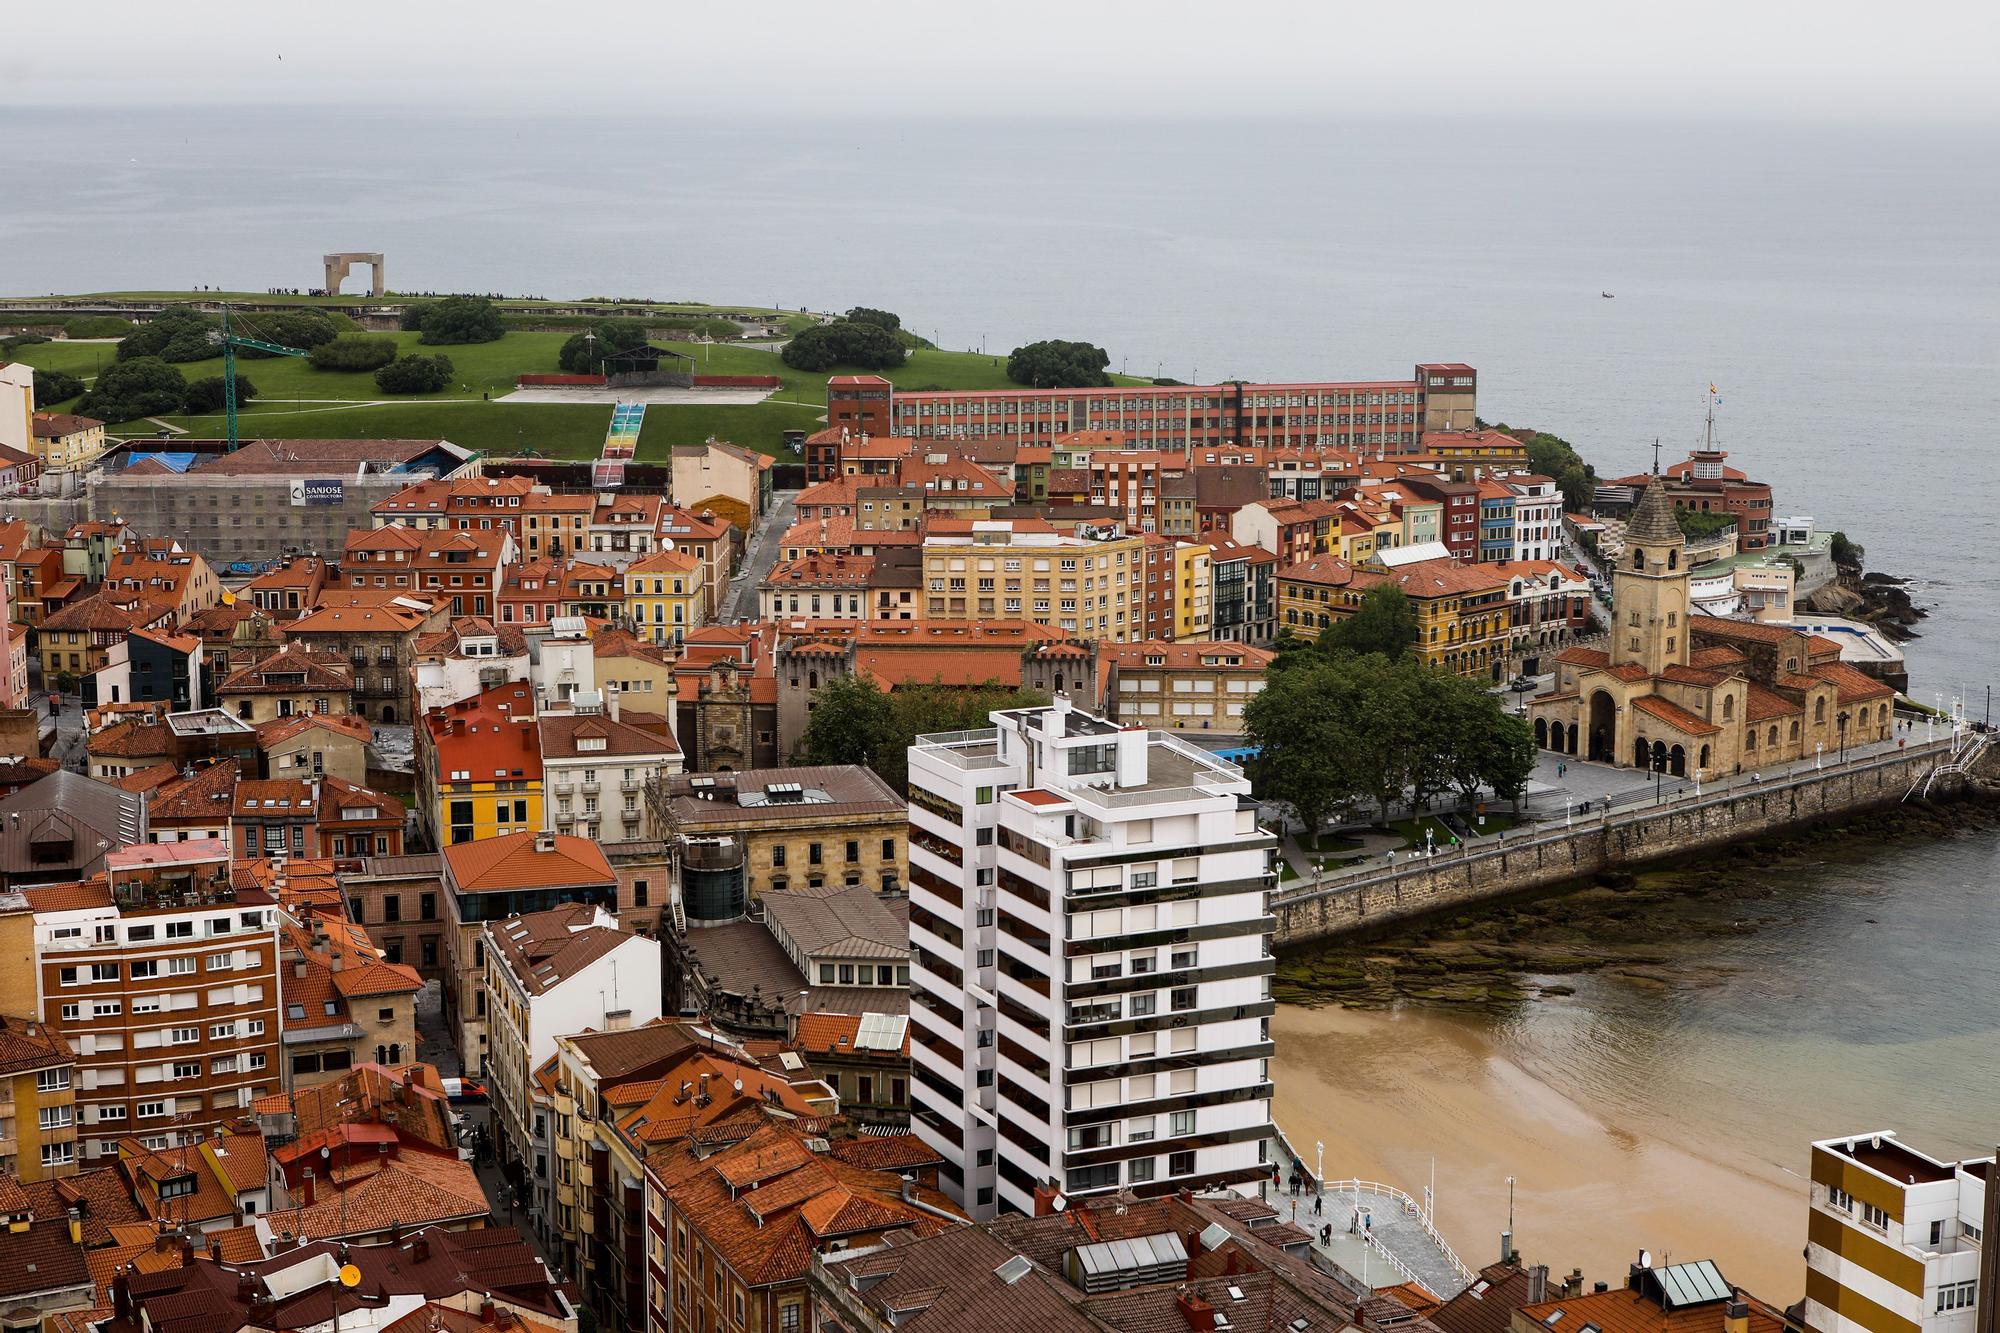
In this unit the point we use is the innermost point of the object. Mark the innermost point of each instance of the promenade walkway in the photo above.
(1375, 1232)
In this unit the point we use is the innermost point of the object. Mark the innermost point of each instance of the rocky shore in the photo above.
(1645, 929)
(1881, 600)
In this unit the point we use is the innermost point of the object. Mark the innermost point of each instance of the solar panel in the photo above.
(1013, 1270)
(881, 1032)
(1692, 1284)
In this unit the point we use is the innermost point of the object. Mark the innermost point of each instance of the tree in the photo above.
(54, 386)
(1484, 747)
(584, 354)
(175, 334)
(460, 319)
(1846, 553)
(1298, 724)
(850, 722)
(353, 351)
(1556, 458)
(1384, 623)
(1702, 522)
(304, 329)
(143, 387)
(207, 394)
(1054, 364)
(881, 319)
(413, 315)
(845, 343)
(415, 374)
(863, 725)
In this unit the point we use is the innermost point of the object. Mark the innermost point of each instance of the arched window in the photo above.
(1671, 618)
(1774, 733)
(1819, 711)
(1638, 558)
(1634, 618)
(1795, 730)
(1728, 707)
(1750, 739)
(1673, 559)
(1883, 717)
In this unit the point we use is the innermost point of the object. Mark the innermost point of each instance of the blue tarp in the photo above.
(179, 462)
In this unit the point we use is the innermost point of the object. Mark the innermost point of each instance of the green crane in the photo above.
(230, 342)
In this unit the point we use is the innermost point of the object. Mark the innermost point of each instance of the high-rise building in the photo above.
(1091, 956)
(1893, 1238)
(164, 975)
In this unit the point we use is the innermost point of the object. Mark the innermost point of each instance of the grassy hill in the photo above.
(296, 401)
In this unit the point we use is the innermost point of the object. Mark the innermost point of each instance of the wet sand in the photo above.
(1387, 1089)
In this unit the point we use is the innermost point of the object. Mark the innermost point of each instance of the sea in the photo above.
(1838, 285)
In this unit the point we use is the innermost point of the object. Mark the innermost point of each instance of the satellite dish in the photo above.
(350, 1276)
(1059, 1203)
(1645, 1258)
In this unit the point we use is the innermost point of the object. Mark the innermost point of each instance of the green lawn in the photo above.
(296, 401)
(1413, 829)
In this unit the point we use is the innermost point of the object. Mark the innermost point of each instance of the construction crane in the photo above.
(230, 342)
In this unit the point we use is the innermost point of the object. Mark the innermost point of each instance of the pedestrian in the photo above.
(1319, 1209)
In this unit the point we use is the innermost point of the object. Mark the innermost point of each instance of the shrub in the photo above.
(141, 387)
(209, 394)
(1056, 364)
(354, 351)
(461, 319)
(54, 386)
(14, 340)
(175, 334)
(582, 355)
(414, 374)
(845, 343)
(304, 329)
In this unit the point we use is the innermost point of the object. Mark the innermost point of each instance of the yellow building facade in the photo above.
(664, 597)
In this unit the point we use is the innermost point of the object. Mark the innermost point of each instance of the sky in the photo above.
(1916, 62)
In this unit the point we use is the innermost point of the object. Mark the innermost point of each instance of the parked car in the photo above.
(464, 1090)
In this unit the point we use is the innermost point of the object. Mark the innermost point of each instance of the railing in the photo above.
(1411, 1206)
(1604, 814)
(947, 745)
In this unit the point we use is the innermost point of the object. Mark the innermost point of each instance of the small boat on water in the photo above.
(1607, 296)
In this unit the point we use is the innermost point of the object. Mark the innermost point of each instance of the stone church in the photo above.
(1696, 695)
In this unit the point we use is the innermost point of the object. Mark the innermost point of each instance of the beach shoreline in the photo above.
(1397, 1093)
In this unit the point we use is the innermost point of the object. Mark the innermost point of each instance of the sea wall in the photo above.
(1614, 840)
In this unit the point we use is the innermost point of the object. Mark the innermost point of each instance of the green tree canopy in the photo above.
(141, 387)
(175, 334)
(415, 374)
(854, 722)
(845, 342)
(354, 351)
(1557, 458)
(1703, 522)
(303, 329)
(458, 319)
(1356, 727)
(55, 386)
(1384, 623)
(1846, 553)
(1054, 364)
(881, 319)
(584, 355)
(208, 394)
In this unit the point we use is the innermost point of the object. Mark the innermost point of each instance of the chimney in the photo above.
(1045, 1199)
(611, 701)
(187, 1251)
(214, 1250)
(420, 1248)
(1573, 1284)
(121, 1294)
(1538, 1284)
(246, 1285)
(909, 1189)
(544, 842)
(1200, 1315)
(299, 968)
(75, 1227)
(1736, 1314)
(486, 1311)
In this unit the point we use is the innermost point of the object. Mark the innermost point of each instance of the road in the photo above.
(741, 603)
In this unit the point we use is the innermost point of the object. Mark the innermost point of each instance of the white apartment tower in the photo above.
(1090, 933)
(1894, 1241)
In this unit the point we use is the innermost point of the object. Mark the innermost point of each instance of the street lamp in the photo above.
(1319, 1163)
(1840, 721)
(1819, 751)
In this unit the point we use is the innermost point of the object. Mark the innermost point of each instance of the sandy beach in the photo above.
(1385, 1090)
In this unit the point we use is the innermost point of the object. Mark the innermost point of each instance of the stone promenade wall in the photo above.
(1616, 840)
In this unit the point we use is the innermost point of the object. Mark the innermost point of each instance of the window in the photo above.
(58, 1154)
(1140, 1169)
(184, 1036)
(52, 1080)
(1873, 1216)
(1183, 997)
(1181, 1124)
(152, 1110)
(1180, 1164)
(1956, 1295)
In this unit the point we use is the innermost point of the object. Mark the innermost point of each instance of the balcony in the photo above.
(630, 785)
(563, 788)
(592, 788)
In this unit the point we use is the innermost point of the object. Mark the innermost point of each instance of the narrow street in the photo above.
(758, 557)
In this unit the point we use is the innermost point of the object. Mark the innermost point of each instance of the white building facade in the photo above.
(1090, 937)
(1538, 512)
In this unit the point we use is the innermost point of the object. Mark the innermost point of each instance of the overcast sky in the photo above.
(1908, 62)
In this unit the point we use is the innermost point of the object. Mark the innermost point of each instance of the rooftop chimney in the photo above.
(1538, 1284)
(1736, 1314)
(75, 1227)
(121, 1294)
(611, 701)
(420, 1248)
(1045, 1199)
(1573, 1284)
(1200, 1315)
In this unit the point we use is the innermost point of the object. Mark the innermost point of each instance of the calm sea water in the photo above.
(1839, 285)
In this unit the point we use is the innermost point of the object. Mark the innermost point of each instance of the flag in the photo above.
(1712, 388)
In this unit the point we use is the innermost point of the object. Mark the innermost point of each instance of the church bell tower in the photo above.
(1649, 588)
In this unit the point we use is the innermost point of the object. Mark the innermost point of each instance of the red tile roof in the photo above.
(1675, 716)
(519, 861)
